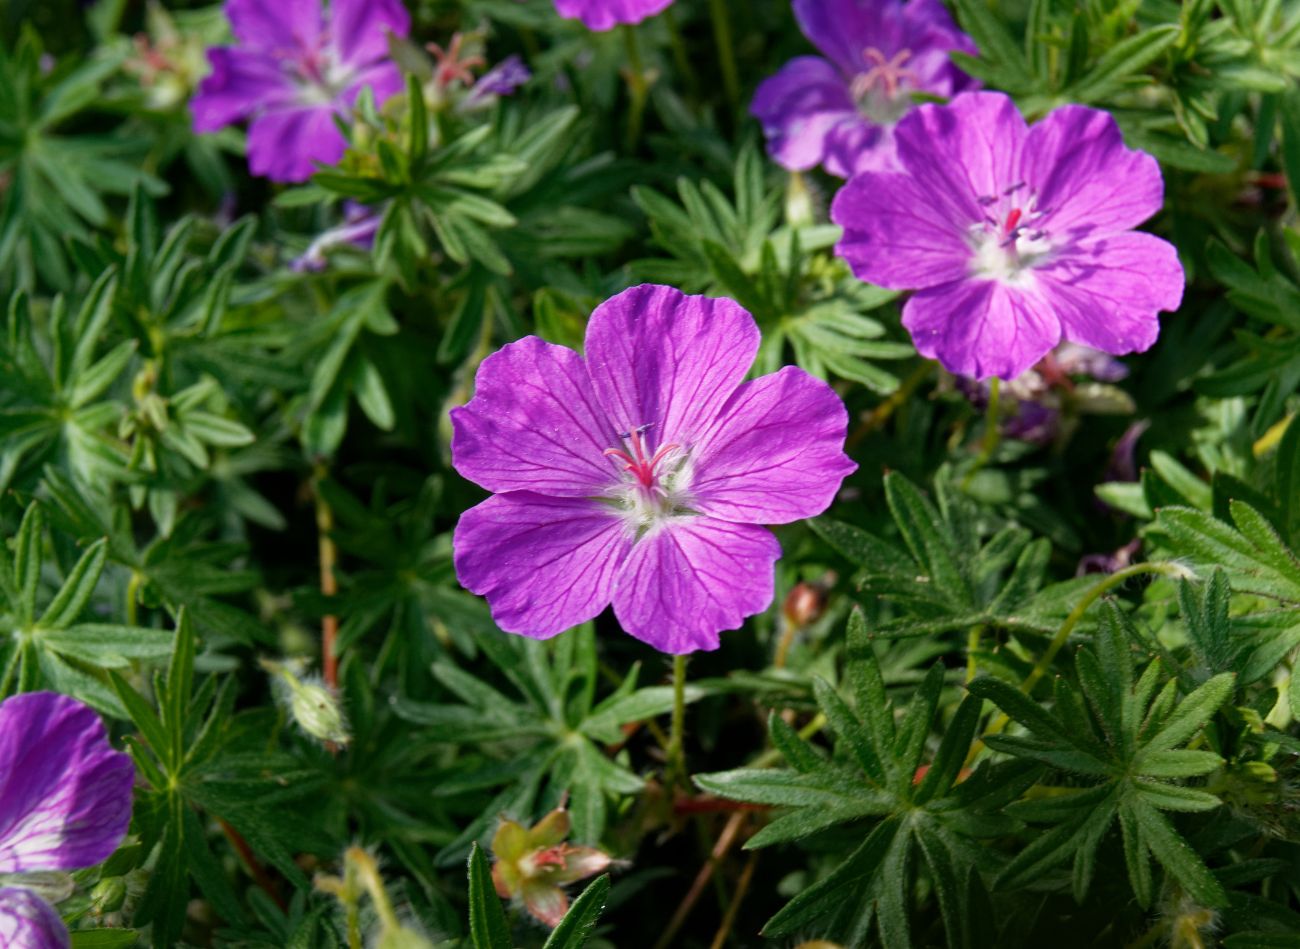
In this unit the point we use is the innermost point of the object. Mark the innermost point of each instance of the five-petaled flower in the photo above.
(65, 804)
(1013, 237)
(641, 475)
(296, 68)
(840, 111)
(607, 14)
(535, 863)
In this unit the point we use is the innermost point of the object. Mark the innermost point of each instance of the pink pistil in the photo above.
(888, 71)
(637, 463)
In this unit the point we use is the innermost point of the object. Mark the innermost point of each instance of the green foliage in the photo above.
(225, 438)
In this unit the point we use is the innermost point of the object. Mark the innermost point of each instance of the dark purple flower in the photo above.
(65, 804)
(501, 80)
(1013, 237)
(641, 475)
(360, 224)
(607, 14)
(295, 69)
(839, 111)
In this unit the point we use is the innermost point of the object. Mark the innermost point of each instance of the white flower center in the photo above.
(1009, 242)
(651, 488)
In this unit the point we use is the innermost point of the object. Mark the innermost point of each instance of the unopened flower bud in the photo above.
(314, 706)
(108, 895)
(800, 203)
(804, 604)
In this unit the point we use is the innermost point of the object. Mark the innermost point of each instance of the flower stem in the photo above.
(676, 737)
(992, 431)
(882, 412)
(132, 599)
(329, 587)
(972, 647)
(726, 54)
(680, 59)
(638, 88)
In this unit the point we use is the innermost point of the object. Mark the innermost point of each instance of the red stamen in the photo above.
(1013, 219)
(636, 462)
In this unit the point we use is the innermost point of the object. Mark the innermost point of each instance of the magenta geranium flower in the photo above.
(640, 476)
(1014, 238)
(607, 14)
(839, 111)
(65, 804)
(296, 68)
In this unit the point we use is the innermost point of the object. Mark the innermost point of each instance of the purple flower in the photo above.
(65, 804)
(840, 111)
(640, 475)
(359, 227)
(501, 80)
(295, 70)
(607, 14)
(1014, 237)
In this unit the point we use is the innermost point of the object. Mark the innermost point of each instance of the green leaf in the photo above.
(77, 588)
(574, 930)
(1178, 858)
(1121, 62)
(487, 922)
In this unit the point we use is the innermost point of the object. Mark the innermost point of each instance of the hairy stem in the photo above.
(885, 410)
(638, 88)
(992, 431)
(329, 587)
(676, 736)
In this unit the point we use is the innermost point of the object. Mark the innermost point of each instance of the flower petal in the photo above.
(777, 452)
(607, 14)
(844, 29)
(534, 425)
(285, 144)
(65, 794)
(658, 357)
(1107, 291)
(279, 26)
(384, 80)
(359, 28)
(981, 328)
(28, 922)
(544, 564)
(1085, 177)
(240, 83)
(799, 107)
(963, 151)
(690, 579)
(896, 236)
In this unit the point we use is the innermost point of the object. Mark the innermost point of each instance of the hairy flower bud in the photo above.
(312, 704)
(108, 895)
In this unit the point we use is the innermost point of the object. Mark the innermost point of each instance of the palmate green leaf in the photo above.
(1252, 555)
(914, 822)
(1122, 62)
(1139, 752)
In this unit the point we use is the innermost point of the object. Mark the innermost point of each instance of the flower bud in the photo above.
(312, 704)
(804, 604)
(108, 895)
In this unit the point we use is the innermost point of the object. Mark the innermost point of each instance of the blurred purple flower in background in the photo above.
(839, 111)
(607, 14)
(294, 70)
(1014, 237)
(641, 475)
(360, 224)
(1071, 375)
(501, 80)
(65, 804)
